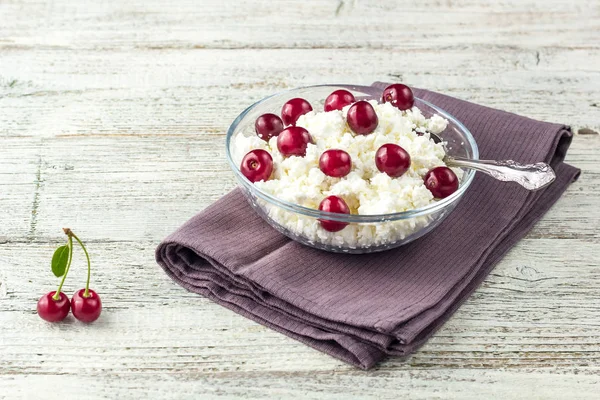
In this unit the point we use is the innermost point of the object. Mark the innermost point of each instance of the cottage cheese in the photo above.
(366, 190)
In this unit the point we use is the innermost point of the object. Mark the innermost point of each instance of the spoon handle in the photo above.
(530, 176)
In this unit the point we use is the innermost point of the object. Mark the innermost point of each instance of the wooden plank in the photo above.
(427, 384)
(124, 92)
(436, 384)
(132, 187)
(20, 184)
(308, 24)
(529, 300)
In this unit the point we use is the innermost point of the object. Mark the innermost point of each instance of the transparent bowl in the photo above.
(364, 233)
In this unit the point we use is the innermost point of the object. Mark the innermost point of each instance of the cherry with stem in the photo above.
(55, 306)
(85, 303)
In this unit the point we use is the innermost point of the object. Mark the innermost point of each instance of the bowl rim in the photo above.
(352, 218)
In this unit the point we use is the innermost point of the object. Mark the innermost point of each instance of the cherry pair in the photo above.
(389, 158)
(85, 303)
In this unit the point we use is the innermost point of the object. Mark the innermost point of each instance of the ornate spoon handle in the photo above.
(530, 176)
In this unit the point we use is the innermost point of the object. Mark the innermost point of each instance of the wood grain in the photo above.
(112, 121)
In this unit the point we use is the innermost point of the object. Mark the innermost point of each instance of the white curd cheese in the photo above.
(365, 189)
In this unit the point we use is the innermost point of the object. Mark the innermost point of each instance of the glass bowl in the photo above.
(364, 233)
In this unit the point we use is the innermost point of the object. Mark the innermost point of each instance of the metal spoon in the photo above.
(530, 176)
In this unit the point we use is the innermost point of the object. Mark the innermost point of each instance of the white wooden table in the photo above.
(112, 121)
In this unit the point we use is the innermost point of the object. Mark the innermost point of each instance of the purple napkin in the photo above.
(360, 308)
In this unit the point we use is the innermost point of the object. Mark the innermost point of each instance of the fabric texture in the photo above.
(361, 308)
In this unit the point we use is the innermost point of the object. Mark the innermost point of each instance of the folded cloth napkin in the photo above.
(360, 308)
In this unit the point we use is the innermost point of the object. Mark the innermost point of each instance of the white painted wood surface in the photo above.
(112, 120)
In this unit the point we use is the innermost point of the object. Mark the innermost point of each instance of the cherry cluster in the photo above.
(362, 119)
(85, 303)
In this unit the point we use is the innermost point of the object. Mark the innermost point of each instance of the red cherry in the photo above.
(333, 204)
(293, 109)
(267, 126)
(257, 165)
(336, 163)
(399, 95)
(293, 141)
(362, 118)
(53, 310)
(338, 100)
(86, 309)
(392, 159)
(441, 182)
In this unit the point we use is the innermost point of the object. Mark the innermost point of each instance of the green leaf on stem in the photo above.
(60, 260)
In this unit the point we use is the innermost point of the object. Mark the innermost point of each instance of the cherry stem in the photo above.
(71, 235)
(56, 296)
